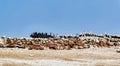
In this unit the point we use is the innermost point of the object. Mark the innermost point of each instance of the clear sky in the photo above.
(19, 18)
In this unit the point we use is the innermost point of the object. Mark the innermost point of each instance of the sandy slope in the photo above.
(83, 57)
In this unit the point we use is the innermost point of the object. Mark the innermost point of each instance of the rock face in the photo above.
(59, 44)
(67, 47)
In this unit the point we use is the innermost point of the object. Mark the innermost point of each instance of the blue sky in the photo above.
(19, 18)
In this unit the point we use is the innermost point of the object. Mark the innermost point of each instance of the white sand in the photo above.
(83, 57)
